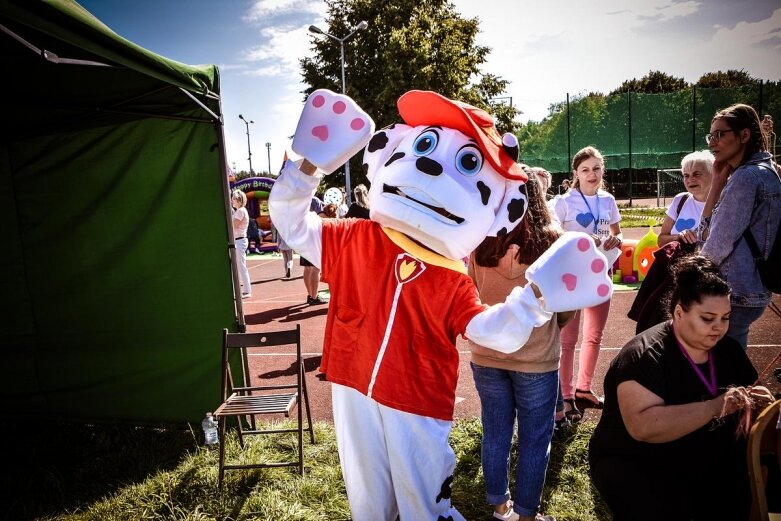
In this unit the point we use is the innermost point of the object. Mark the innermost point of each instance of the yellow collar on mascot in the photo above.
(421, 253)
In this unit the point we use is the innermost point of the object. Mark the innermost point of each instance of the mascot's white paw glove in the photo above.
(332, 129)
(571, 274)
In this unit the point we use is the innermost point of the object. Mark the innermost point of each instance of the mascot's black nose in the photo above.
(428, 166)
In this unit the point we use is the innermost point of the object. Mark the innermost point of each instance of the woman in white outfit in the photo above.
(683, 215)
(240, 225)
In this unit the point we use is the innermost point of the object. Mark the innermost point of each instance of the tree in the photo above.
(655, 82)
(407, 45)
(724, 80)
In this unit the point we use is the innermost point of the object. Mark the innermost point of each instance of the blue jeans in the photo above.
(740, 320)
(531, 397)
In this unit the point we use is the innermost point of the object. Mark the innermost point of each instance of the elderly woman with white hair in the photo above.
(683, 215)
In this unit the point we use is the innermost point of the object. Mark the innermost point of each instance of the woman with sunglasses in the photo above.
(745, 196)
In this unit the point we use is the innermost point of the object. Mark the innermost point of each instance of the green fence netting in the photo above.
(637, 133)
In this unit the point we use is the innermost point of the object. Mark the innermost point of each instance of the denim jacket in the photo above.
(751, 199)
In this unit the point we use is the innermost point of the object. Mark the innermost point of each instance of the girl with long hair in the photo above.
(586, 207)
(522, 385)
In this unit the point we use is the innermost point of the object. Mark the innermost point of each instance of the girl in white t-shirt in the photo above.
(588, 208)
(697, 170)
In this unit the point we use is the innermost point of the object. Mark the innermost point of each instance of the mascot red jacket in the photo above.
(400, 296)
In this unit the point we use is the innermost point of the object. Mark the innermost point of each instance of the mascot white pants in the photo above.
(388, 454)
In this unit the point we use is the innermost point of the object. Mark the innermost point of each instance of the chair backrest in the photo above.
(242, 341)
(764, 438)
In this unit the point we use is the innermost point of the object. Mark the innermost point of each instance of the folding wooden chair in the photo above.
(247, 401)
(764, 440)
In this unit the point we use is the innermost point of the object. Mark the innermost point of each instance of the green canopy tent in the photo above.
(117, 270)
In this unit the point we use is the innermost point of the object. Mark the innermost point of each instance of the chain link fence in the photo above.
(639, 134)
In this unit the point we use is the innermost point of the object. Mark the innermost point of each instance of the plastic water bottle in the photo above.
(209, 425)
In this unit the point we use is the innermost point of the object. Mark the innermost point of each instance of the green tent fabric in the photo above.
(116, 276)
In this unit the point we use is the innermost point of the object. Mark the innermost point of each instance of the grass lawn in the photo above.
(117, 472)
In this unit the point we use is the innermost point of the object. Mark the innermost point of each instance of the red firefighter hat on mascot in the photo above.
(424, 107)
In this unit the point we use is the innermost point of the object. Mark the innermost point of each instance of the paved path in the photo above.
(278, 303)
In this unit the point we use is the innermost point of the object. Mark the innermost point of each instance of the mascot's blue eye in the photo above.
(469, 160)
(425, 143)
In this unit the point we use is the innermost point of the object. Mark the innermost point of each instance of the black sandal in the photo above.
(589, 399)
(573, 414)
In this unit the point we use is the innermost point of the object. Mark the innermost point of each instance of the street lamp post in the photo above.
(268, 149)
(249, 150)
(362, 25)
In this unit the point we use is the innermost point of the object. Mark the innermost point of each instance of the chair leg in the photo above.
(300, 427)
(306, 403)
(241, 431)
(245, 372)
(221, 421)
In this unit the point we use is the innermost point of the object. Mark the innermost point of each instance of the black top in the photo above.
(356, 210)
(654, 360)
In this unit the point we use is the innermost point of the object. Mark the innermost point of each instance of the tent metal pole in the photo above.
(237, 302)
(214, 116)
(49, 55)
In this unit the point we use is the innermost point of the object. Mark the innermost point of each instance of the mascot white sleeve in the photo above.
(400, 295)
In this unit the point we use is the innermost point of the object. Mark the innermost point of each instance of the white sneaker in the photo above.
(246, 295)
(510, 515)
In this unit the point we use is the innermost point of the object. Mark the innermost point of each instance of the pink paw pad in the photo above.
(332, 128)
(570, 281)
(320, 132)
(583, 244)
(597, 265)
(603, 290)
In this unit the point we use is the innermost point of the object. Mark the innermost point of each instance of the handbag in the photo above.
(647, 309)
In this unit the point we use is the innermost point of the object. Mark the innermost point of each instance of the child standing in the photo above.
(586, 207)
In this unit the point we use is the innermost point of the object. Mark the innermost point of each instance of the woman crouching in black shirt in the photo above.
(666, 445)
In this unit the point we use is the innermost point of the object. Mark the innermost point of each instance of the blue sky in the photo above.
(545, 48)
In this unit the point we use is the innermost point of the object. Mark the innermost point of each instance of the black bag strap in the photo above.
(753, 246)
(681, 203)
(750, 240)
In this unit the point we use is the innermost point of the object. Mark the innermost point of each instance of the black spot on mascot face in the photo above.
(394, 157)
(516, 209)
(428, 166)
(485, 192)
(378, 142)
(443, 518)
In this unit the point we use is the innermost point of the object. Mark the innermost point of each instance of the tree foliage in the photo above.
(726, 80)
(655, 82)
(407, 45)
(667, 120)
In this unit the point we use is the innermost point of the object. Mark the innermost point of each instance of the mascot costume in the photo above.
(400, 295)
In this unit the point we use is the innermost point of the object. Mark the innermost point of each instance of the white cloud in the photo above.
(267, 12)
(280, 52)
(267, 71)
(231, 66)
(764, 33)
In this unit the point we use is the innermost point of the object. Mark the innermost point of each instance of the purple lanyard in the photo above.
(710, 386)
